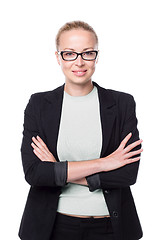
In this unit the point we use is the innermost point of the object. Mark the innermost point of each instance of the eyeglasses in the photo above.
(71, 56)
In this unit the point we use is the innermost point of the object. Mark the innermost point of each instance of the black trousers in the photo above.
(71, 228)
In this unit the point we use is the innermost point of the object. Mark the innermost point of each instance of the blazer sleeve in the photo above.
(127, 175)
(38, 173)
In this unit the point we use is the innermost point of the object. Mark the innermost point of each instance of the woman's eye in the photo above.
(67, 54)
(89, 53)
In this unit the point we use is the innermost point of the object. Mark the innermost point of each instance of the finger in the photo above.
(37, 148)
(39, 145)
(133, 153)
(132, 160)
(42, 143)
(133, 145)
(125, 140)
(38, 155)
(41, 149)
(36, 142)
(42, 155)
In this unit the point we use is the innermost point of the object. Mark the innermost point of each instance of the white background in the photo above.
(129, 36)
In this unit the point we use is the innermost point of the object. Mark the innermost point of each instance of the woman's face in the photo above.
(78, 71)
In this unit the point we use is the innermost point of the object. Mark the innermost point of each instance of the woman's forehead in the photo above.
(77, 39)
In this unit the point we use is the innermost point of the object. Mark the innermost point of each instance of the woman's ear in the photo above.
(97, 58)
(57, 56)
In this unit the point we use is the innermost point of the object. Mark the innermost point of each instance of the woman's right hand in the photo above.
(122, 156)
(41, 150)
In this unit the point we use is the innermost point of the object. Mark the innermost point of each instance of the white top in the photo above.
(80, 138)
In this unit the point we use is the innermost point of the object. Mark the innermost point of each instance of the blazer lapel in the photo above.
(107, 114)
(52, 118)
(53, 115)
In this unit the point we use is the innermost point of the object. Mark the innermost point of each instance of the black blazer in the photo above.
(42, 117)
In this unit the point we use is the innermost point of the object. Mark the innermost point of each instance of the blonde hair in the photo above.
(74, 25)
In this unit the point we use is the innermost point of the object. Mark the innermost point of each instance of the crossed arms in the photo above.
(119, 169)
(77, 171)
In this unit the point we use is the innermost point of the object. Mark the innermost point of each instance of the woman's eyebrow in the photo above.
(87, 48)
(69, 49)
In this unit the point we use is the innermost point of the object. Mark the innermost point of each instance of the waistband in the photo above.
(77, 220)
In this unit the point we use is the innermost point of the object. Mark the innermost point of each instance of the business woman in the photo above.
(80, 152)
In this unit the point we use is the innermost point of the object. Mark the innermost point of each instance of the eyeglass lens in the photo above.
(69, 56)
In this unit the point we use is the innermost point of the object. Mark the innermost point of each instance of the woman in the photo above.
(80, 152)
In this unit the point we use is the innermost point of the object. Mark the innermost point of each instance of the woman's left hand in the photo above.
(41, 151)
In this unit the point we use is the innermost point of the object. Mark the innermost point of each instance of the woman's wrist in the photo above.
(81, 181)
(100, 163)
(81, 169)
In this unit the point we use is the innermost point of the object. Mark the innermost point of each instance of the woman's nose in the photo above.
(79, 61)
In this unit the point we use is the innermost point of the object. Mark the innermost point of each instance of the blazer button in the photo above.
(115, 214)
(107, 191)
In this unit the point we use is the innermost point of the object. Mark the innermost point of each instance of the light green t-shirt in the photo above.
(80, 138)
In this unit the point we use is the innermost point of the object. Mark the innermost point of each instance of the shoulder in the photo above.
(46, 95)
(124, 103)
(118, 94)
(119, 97)
(121, 101)
(38, 96)
(114, 95)
(40, 100)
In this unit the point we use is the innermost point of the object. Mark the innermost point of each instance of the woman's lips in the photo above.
(79, 73)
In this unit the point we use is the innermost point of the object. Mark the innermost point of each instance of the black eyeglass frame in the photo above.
(81, 54)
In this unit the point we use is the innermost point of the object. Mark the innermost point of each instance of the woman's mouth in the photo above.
(79, 73)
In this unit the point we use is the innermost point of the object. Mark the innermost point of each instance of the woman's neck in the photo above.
(74, 89)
